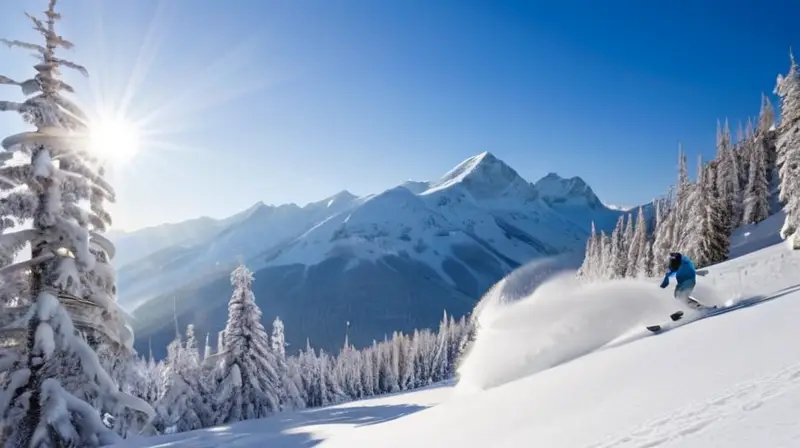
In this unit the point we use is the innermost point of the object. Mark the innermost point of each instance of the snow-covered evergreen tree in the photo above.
(367, 372)
(716, 231)
(727, 177)
(619, 254)
(248, 385)
(756, 195)
(766, 117)
(788, 146)
(289, 394)
(638, 259)
(743, 148)
(207, 350)
(184, 406)
(697, 221)
(424, 352)
(330, 383)
(278, 339)
(663, 241)
(646, 257)
(680, 213)
(192, 348)
(606, 266)
(348, 370)
(56, 384)
(221, 341)
(402, 348)
(589, 267)
(694, 216)
(627, 240)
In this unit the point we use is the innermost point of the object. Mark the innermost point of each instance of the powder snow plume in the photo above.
(524, 330)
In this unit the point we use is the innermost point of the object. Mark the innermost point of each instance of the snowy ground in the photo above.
(573, 366)
(303, 429)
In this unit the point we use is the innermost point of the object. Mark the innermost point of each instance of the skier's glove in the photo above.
(664, 284)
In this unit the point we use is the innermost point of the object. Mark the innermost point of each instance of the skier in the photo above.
(685, 274)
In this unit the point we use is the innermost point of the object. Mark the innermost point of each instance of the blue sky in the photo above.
(292, 101)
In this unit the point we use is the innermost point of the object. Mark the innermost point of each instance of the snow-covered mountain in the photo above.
(133, 246)
(573, 367)
(214, 246)
(388, 261)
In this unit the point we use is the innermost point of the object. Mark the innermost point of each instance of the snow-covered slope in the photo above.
(572, 366)
(439, 244)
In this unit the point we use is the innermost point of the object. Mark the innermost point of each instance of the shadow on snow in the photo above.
(291, 430)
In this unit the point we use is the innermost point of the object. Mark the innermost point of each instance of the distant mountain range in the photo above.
(383, 262)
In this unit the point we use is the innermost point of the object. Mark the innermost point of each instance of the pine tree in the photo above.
(348, 370)
(716, 233)
(278, 339)
(401, 348)
(289, 395)
(619, 253)
(637, 253)
(583, 270)
(680, 213)
(367, 372)
(588, 268)
(249, 383)
(49, 381)
(728, 177)
(766, 117)
(595, 255)
(647, 258)
(663, 242)
(756, 201)
(657, 225)
(744, 155)
(627, 241)
(221, 341)
(698, 219)
(606, 265)
(183, 406)
(207, 350)
(694, 216)
(788, 146)
(192, 348)
(766, 136)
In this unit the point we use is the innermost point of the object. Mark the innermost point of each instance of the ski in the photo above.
(710, 312)
(674, 317)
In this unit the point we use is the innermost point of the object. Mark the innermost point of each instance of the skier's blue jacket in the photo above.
(685, 273)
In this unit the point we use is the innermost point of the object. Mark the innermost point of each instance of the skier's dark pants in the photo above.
(683, 291)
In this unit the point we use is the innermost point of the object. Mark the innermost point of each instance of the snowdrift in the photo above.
(542, 316)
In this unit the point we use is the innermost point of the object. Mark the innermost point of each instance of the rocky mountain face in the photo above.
(384, 262)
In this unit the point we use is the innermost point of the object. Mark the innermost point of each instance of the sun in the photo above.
(114, 139)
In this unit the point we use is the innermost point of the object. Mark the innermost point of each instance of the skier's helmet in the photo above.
(675, 261)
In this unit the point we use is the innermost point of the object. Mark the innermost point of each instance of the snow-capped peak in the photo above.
(485, 177)
(557, 190)
(339, 198)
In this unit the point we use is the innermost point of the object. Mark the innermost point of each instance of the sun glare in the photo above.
(114, 139)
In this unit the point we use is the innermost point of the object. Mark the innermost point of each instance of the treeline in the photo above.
(249, 375)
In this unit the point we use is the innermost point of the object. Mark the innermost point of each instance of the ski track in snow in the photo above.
(698, 416)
